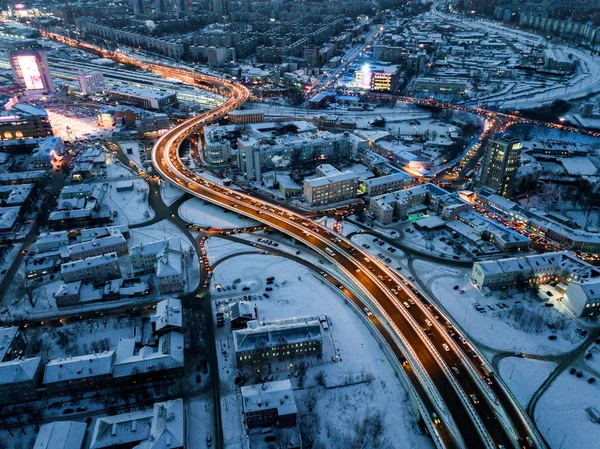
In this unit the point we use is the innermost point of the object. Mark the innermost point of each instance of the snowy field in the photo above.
(561, 414)
(298, 293)
(115, 169)
(524, 376)
(169, 193)
(520, 326)
(205, 214)
(132, 205)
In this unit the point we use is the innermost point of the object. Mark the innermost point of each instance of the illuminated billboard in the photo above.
(30, 71)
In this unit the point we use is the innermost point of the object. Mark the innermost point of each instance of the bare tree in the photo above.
(26, 290)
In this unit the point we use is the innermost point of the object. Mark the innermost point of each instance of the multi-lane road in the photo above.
(466, 397)
(465, 405)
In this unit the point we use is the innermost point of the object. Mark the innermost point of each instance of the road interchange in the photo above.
(472, 402)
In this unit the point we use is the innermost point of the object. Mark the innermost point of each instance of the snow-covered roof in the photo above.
(97, 243)
(400, 176)
(8, 217)
(79, 367)
(68, 289)
(269, 395)
(330, 179)
(7, 335)
(78, 190)
(94, 233)
(147, 249)
(168, 355)
(167, 430)
(61, 435)
(168, 314)
(170, 263)
(59, 238)
(18, 370)
(162, 427)
(126, 428)
(88, 262)
(242, 310)
(276, 334)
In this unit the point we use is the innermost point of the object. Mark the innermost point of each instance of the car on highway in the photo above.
(446, 347)
(367, 311)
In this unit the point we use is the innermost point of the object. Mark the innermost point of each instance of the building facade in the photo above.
(500, 163)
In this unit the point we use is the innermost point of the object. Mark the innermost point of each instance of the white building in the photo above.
(165, 259)
(97, 268)
(168, 315)
(582, 294)
(162, 427)
(47, 148)
(217, 148)
(98, 247)
(388, 183)
(333, 186)
(51, 241)
(61, 435)
(168, 355)
(90, 82)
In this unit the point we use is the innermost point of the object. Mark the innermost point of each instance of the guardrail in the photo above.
(397, 334)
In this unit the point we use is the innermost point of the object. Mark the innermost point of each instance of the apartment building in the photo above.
(98, 247)
(97, 268)
(332, 186)
(257, 345)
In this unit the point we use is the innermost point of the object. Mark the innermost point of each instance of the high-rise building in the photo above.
(501, 163)
(173, 7)
(30, 67)
(220, 7)
(90, 82)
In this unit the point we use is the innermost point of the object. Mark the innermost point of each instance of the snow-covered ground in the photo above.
(204, 214)
(561, 414)
(496, 327)
(132, 205)
(170, 193)
(116, 170)
(524, 376)
(298, 293)
(75, 128)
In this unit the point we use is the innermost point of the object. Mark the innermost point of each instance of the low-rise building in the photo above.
(241, 117)
(97, 268)
(68, 294)
(144, 363)
(61, 435)
(98, 247)
(66, 375)
(387, 183)
(262, 345)
(582, 294)
(19, 380)
(144, 98)
(162, 427)
(444, 86)
(165, 259)
(402, 203)
(332, 187)
(568, 236)
(478, 229)
(51, 241)
(168, 316)
(269, 404)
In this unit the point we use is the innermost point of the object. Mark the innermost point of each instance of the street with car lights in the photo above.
(463, 403)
